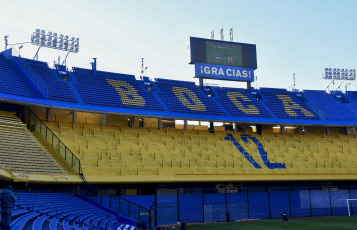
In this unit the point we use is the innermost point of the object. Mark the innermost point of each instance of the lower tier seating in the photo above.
(60, 211)
(117, 152)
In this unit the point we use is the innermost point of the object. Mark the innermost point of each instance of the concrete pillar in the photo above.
(249, 86)
(48, 115)
(185, 126)
(282, 129)
(104, 120)
(159, 123)
(211, 127)
(132, 122)
(200, 82)
(327, 130)
(235, 127)
(75, 117)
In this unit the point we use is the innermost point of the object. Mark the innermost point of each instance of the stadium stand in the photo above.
(335, 109)
(21, 152)
(286, 105)
(118, 151)
(180, 96)
(113, 89)
(47, 79)
(11, 82)
(270, 140)
(239, 102)
(52, 211)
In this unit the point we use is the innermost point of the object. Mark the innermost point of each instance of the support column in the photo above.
(74, 117)
(327, 130)
(200, 82)
(104, 120)
(48, 115)
(211, 127)
(235, 127)
(347, 131)
(282, 129)
(159, 123)
(249, 86)
(132, 122)
(185, 126)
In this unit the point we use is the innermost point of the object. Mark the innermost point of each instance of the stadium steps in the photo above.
(21, 150)
(73, 87)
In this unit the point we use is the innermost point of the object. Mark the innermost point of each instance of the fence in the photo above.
(252, 203)
(124, 206)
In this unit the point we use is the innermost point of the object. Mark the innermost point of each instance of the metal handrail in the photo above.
(67, 150)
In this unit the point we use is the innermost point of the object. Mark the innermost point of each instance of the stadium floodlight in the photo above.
(339, 74)
(51, 40)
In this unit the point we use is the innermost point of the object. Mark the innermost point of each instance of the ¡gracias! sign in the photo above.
(222, 72)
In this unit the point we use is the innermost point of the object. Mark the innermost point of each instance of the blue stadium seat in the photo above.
(181, 96)
(62, 210)
(11, 82)
(331, 107)
(286, 104)
(239, 102)
(38, 223)
(46, 79)
(20, 222)
(112, 89)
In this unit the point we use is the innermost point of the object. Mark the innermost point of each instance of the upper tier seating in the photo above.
(45, 78)
(61, 68)
(238, 102)
(332, 108)
(21, 152)
(114, 89)
(11, 82)
(181, 96)
(285, 104)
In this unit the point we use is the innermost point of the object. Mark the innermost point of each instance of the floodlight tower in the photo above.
(334, 74)
(51, 40)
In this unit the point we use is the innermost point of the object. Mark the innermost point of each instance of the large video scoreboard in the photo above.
(223, 60)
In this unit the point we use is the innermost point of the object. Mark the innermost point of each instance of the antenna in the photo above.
(6, 41)
(347, 84)
(145, 70)
(256, 81)
(20, 49)
(142, 67)
(231, 35)
(222, 36)
(212, 34)
(294, 82)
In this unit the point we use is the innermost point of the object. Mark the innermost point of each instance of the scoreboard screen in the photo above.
(222, 53)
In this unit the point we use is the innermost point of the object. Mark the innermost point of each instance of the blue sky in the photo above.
(301, 37)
